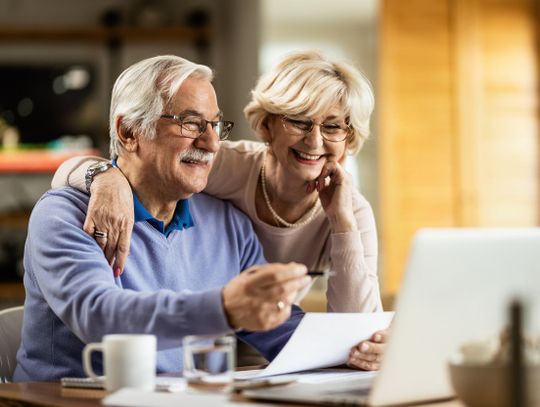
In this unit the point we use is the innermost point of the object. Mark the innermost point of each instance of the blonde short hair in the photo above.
(143, 90)
(308, 83)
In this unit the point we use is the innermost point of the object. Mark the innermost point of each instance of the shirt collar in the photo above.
(181, 218)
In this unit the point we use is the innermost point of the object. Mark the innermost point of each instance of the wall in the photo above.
(236, 57)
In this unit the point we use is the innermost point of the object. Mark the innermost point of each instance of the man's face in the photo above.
(179, 166)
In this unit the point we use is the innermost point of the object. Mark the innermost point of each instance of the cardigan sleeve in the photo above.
(354, 287)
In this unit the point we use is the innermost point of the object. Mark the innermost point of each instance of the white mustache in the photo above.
(195, 154)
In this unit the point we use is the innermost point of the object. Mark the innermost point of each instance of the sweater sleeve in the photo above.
(70, 272)
(353, 255)
(71, 172)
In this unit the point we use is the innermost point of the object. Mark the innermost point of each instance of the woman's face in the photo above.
(302, 155)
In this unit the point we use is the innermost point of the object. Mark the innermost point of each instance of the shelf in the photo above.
(37, 161)
(17, 220)
(11, 291)
(102, 34)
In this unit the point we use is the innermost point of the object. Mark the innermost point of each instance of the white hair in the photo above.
(143, 90)
(309, 83)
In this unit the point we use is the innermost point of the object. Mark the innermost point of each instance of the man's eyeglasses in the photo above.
(195, 126)
(334, 132)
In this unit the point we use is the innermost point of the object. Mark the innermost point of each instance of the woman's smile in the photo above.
(307, 158)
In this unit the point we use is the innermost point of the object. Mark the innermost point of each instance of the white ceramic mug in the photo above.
(128, 361)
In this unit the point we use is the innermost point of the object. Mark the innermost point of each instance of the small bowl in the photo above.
(481, 385)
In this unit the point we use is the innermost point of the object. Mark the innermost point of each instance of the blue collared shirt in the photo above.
(181, 219)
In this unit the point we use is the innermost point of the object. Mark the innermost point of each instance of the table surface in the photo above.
(48, 394)
(51, 394)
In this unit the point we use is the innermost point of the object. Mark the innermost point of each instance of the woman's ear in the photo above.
(343, 158)
(265, 133)
(127, 138)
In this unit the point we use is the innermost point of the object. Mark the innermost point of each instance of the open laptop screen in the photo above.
(458, 286)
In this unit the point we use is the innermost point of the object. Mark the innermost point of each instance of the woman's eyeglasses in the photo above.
(334, 132)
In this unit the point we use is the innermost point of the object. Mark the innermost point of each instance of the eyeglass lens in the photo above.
(329, 131)
(195, 126)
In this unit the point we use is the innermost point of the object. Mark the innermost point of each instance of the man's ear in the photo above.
(128, 139)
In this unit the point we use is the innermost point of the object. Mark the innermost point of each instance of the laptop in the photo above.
(457, 287)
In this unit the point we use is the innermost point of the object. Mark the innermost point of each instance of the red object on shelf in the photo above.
(37, 161)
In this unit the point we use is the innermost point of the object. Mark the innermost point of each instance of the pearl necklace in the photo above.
(308, 216)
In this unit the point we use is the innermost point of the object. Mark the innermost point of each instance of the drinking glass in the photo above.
(209, 361)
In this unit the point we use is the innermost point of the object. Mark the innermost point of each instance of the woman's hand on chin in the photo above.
(335, 192)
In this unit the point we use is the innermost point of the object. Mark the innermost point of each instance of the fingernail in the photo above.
(117, 272)
(377, 338)
(364, 347)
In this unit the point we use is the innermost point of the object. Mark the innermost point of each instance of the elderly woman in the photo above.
(310, 112)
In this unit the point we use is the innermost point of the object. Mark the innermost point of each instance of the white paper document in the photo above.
(324, 340)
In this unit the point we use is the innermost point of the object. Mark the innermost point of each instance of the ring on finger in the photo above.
(100, 235)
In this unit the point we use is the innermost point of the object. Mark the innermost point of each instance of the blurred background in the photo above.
(454, 134)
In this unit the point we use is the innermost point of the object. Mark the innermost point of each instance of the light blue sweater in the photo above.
(171, 286)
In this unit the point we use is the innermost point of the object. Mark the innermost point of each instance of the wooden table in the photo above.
(47, 394)
(51, 394)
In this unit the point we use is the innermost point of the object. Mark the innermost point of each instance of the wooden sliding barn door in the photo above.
(458, 119)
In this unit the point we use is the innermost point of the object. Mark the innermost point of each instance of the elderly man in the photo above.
(187, 250)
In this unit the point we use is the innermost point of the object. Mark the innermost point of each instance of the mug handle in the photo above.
(87, 361)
